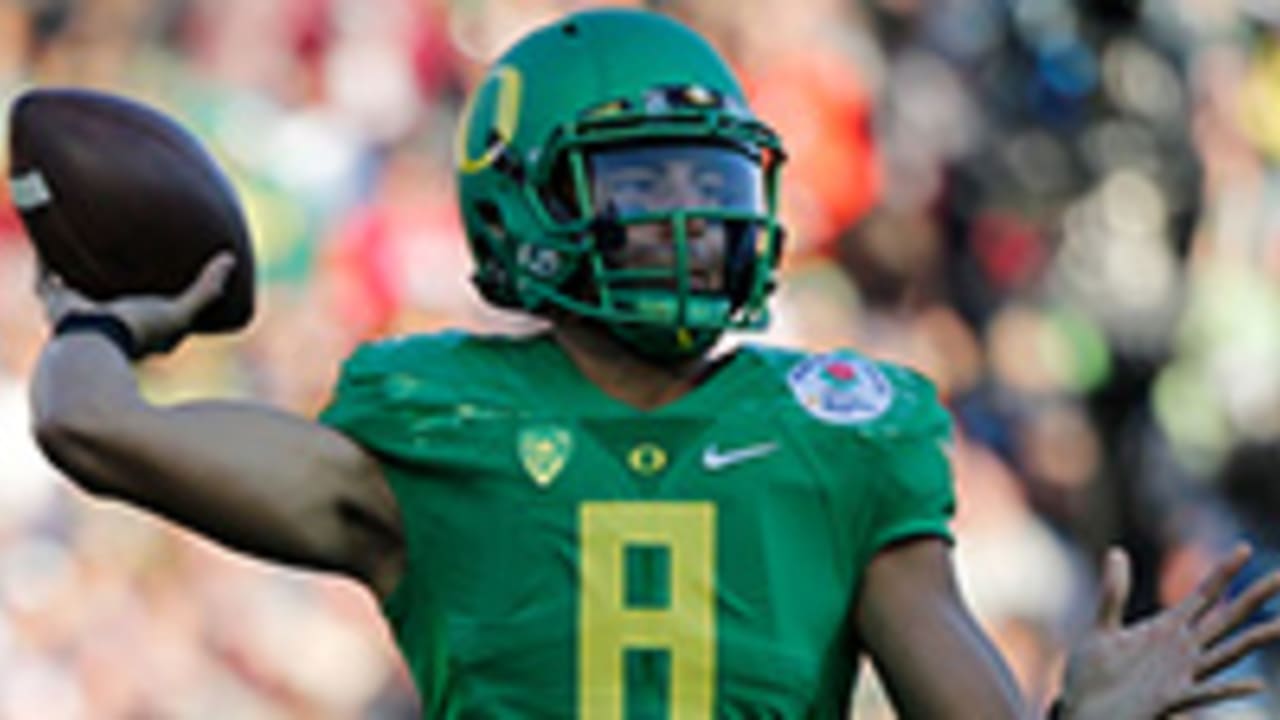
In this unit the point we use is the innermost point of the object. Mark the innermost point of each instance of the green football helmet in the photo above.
(569, 101)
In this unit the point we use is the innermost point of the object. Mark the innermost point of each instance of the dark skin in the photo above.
(289, 490)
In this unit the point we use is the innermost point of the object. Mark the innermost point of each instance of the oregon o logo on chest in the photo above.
(647, 459)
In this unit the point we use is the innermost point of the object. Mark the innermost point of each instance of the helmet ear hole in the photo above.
(491, 216)
(492, 276)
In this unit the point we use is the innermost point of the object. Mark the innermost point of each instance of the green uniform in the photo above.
(570, 556)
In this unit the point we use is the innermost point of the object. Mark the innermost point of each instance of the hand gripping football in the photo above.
(120, 200)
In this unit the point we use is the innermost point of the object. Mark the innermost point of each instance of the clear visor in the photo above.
(640, 180)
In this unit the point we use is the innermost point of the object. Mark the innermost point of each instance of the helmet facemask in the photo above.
(673, 238)
(680, 229)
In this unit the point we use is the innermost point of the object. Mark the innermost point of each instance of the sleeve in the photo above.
(357, 397)
(377, 402)
(358, 409)
(914, 491)
(392, 393)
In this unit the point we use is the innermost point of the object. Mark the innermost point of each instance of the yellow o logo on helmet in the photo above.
(504, 99)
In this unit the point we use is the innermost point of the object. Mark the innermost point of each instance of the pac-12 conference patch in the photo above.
(841, 388)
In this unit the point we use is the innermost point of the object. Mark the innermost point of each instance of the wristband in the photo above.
(105, 324)
(1057, 711)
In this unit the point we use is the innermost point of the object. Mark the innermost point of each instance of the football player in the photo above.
(608, 519)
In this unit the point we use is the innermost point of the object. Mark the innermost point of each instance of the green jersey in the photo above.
(571, 556)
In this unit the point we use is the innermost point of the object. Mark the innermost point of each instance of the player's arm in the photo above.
(253, 478)
(932, 656)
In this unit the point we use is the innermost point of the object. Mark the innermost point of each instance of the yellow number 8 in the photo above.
(685, 629)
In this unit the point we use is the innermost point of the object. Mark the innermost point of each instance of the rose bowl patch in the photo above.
(840, 388)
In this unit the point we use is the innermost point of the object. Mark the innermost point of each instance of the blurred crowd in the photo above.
(1065, 212)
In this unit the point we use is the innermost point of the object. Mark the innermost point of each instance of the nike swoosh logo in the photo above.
(713, 458)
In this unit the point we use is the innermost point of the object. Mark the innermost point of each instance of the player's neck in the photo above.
(622, 373)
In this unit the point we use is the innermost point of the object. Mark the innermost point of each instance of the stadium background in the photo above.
(1066, 213)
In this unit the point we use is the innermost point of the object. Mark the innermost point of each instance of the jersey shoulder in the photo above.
(883, 435)
(846, 389)
(398, 387)
(449, 366)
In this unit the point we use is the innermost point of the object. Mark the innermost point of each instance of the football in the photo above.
(119, 199)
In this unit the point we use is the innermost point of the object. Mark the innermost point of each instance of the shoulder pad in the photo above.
(401, 354)
(440, 370)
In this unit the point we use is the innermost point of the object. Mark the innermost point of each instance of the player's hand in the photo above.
(1165, 664)
(157, 323)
